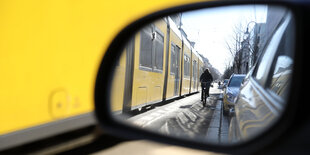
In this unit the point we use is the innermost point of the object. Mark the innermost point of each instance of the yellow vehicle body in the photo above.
(200, 71)
(151, 70)
(194, 73)
(118, 84)
(148, 82)
(174, 77)
(186, 70)
(50, 53)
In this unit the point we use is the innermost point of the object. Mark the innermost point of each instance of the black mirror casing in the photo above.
(289, 128)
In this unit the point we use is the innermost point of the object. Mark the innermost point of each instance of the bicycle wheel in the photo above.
(204, 100)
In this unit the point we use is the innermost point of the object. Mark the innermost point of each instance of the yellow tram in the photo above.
(158, 64)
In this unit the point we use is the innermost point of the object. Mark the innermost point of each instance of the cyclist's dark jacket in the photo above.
(206, 77)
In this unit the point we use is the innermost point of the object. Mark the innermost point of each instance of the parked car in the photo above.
(223, 85)
(264, 92)
(231, 92)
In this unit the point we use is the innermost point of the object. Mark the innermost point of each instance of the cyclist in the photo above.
(205, 80)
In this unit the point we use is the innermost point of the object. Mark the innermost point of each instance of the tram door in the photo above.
(177, 70)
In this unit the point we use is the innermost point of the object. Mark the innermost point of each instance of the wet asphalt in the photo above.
(188, 118)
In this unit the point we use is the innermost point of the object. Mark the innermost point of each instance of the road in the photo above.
(187, 118)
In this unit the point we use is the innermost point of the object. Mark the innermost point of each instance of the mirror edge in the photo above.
(102, 85)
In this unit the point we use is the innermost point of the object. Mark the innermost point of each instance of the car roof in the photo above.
(238, 75)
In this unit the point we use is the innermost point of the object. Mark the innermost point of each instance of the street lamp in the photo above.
(247, 33)
(246, 49)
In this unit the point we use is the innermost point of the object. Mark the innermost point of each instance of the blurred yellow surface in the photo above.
(50, 52)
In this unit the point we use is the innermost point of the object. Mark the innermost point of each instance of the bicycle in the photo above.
(204, 92)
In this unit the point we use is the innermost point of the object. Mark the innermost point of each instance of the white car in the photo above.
(231, 92)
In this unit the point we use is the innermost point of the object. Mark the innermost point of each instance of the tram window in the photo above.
(186, 65)
(172, 59)
(159, 51)
(146, 47)
(151, 49)
(194, 69)
(177, 58)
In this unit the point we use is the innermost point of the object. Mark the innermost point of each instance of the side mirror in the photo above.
(232, 112)
(147, 87)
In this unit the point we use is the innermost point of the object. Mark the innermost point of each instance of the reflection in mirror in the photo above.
(217, 75)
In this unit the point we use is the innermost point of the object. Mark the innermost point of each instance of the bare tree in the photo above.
(243, 53)
(234, 45)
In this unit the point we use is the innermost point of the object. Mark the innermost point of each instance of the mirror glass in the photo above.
(216, 75)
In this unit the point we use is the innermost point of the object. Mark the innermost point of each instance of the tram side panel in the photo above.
(186, 70)
(148, 78)
(198, 73)
(200, 70)
(118, 84)
(174, 69)
(148, 74)
(194, 73)
(142, 98)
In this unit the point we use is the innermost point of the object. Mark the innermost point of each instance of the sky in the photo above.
(211, 28)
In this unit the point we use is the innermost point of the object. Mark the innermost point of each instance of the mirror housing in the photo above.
(105, 75)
